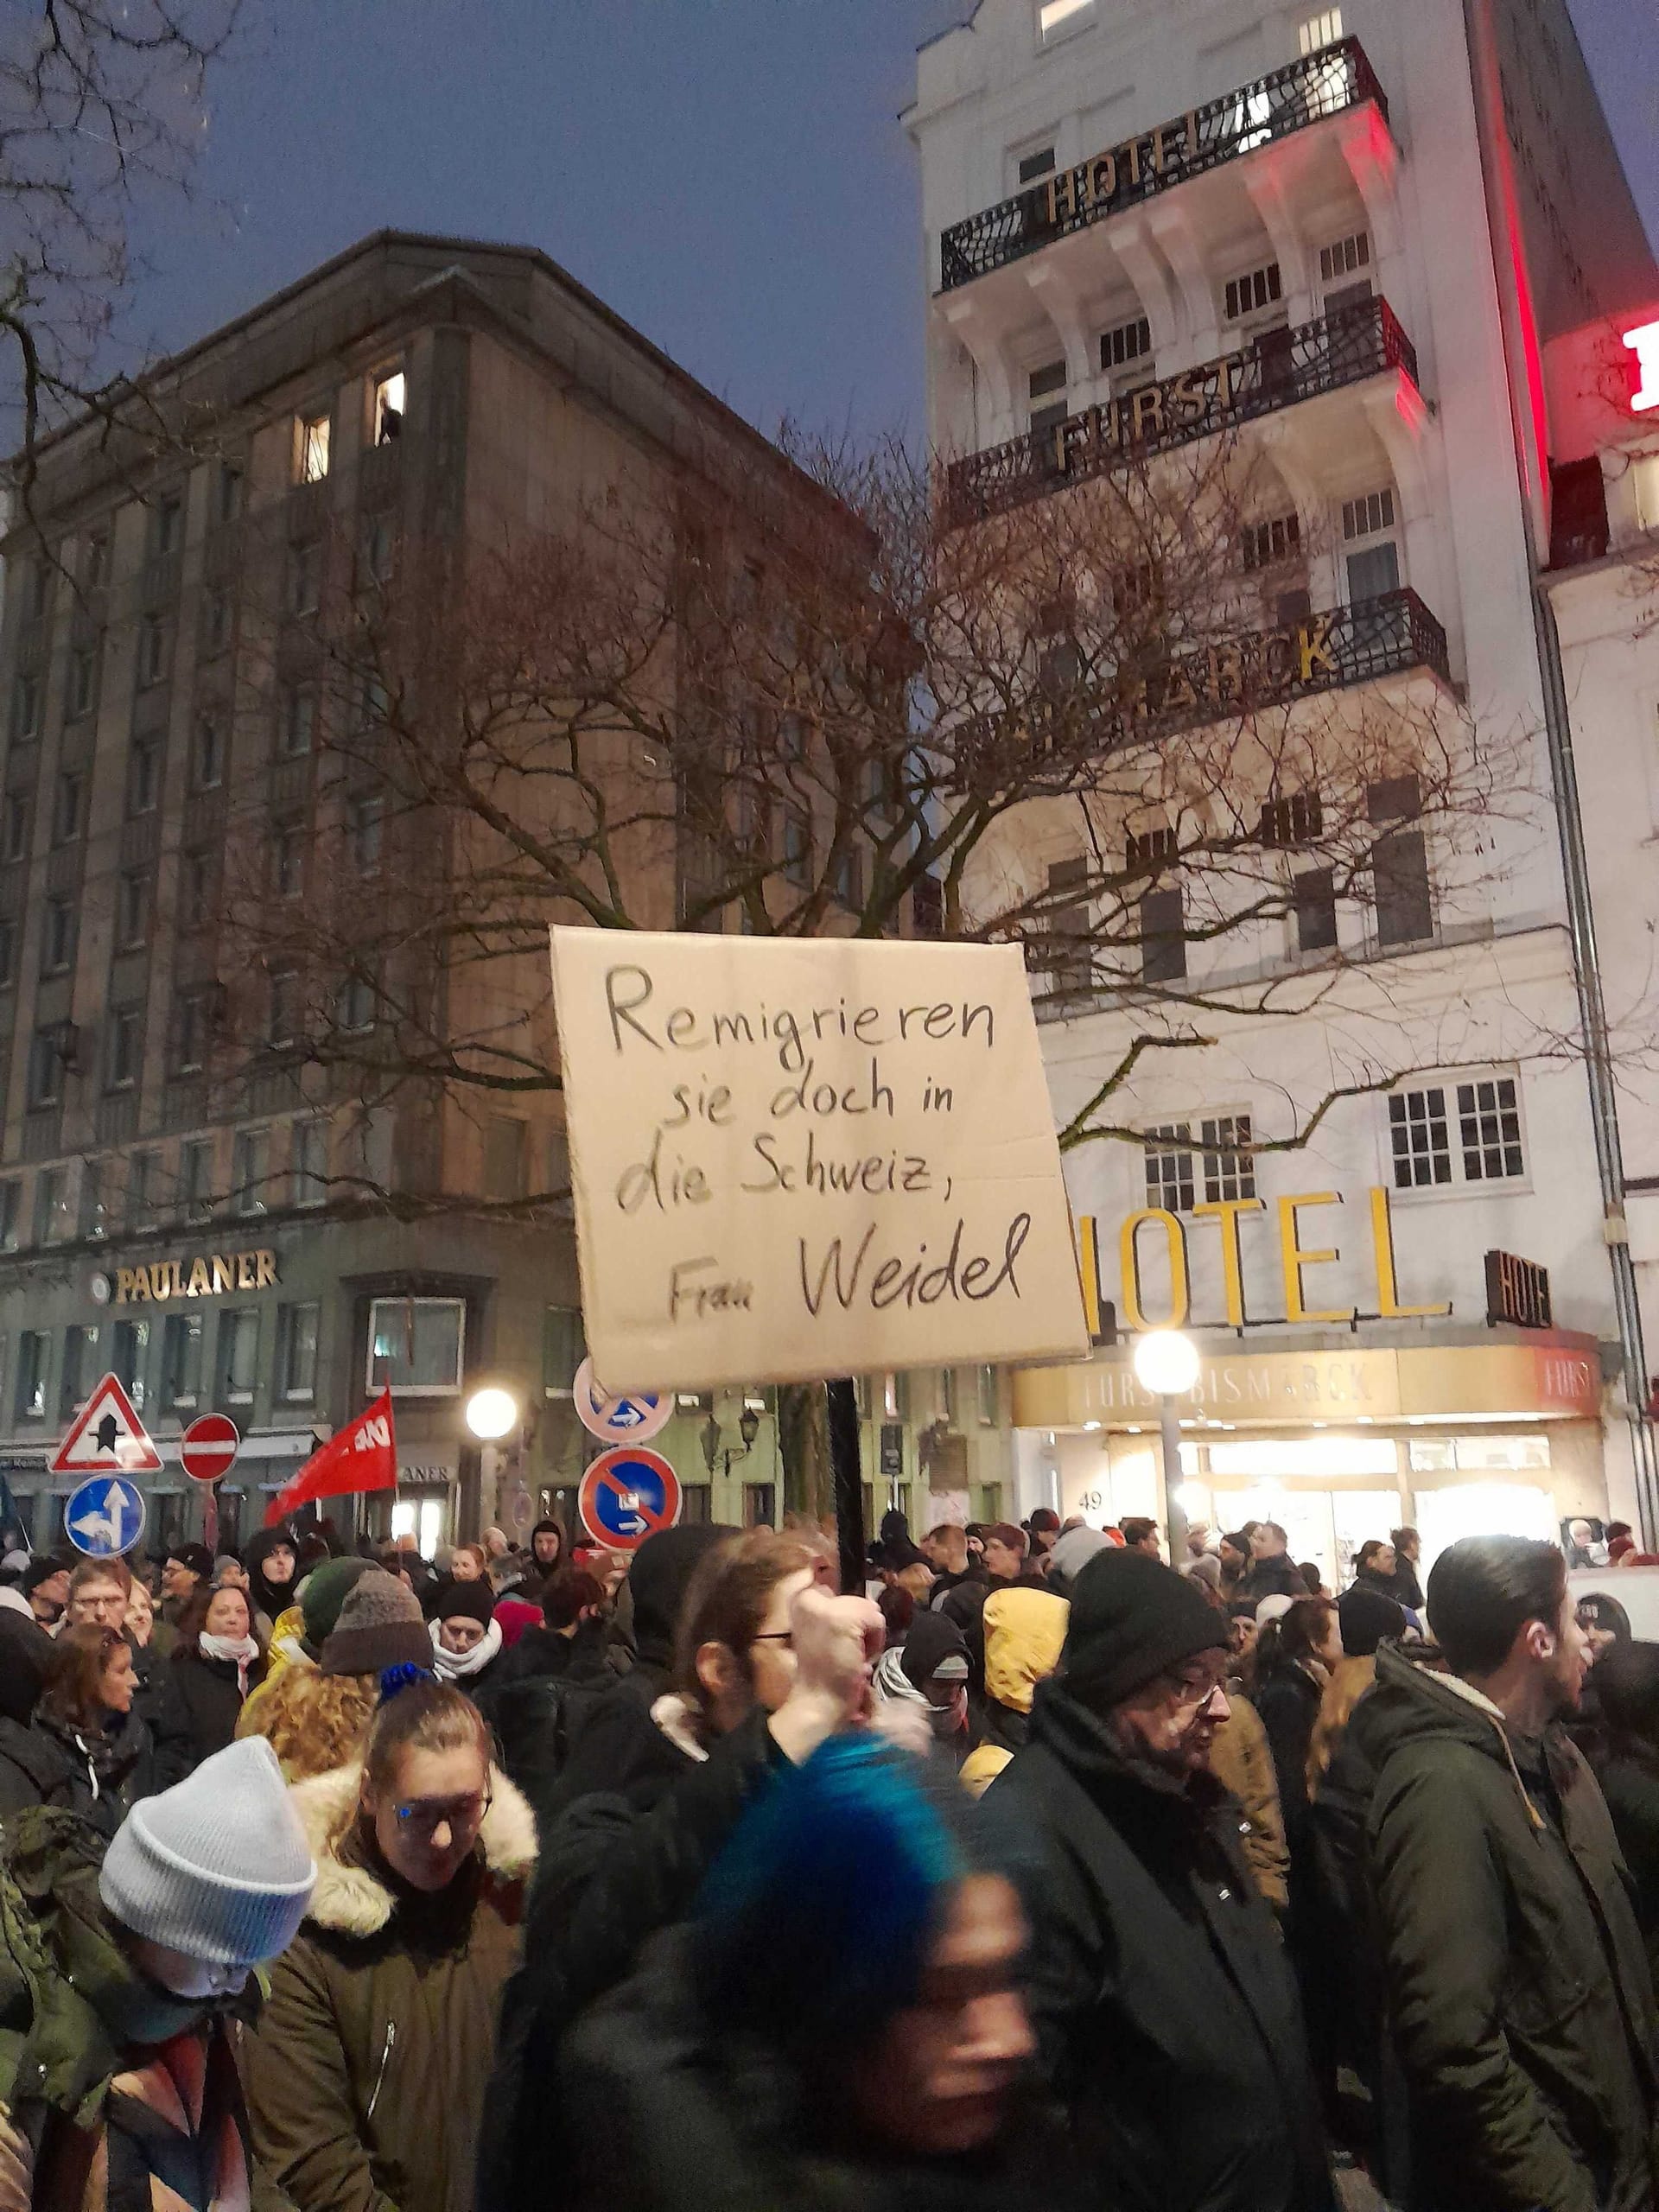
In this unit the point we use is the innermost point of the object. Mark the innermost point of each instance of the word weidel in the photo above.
(793, 1159)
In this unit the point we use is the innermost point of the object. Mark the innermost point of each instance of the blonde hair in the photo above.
(313, 1722)
(1349, 1681)
(429, 1716)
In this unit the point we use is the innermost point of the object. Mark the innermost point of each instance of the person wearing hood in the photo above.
(300, 1632)
(547, 1549)
(1004, 1569)
(926, 1678)
(1165, 2011)
(1025, 1632)
(1519, 1998)
(123, 1972)
(359, 1621)
(1071, 1554)
(215, 1663)
(185, 1567)
(366, 2073)
(45, 1586)
(271, 1560)
(86, 1749)
(465, 1636)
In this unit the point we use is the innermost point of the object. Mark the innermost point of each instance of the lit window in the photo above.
(1056, 18)
(416, 1344)
(1646, 474)
(311, 448)
(389, 392)
(1323, 30)
(989, 1396)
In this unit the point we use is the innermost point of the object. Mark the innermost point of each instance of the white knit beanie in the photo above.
(218, 1866)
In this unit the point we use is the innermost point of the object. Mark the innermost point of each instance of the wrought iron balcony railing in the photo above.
(1282, 367)
(1050, 743)
(1287, 99)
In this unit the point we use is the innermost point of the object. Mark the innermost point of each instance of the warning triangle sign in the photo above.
(106, 1438)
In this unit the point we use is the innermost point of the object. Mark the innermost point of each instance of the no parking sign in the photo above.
(627, 1496)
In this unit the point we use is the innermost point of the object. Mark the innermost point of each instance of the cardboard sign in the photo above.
(800, 1158)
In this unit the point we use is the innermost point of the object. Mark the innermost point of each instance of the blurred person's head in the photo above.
(89, 1677)
(1268, 1541)
(1377, 1558)
(467, 1563)
(735, 1648)
(99, 1590)
(659, 1577)
(1368, 1619)
(45, 1585)
(546, 1547)
(1141, 1535)
(1502, 1615)
(569, 1597)
(185, 1565)
(1408, 1544)
(461, 1615)
(140, 1617)
(1234, 1552)
(1005, 1552)
(946, 1548)
(1627, 1684)
(1043, 1527)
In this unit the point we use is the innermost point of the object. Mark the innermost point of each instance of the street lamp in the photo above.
(1166, 1364)
(748, 1427)
(492, 1414)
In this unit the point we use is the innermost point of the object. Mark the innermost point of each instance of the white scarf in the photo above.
(453, 1666)
(243, 1650)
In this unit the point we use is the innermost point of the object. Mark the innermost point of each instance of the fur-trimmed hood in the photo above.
(353, 1900)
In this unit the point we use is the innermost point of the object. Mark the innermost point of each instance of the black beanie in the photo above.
(462, 1601)
(1133, 1618)
(1367, 1618)
(662, 1568)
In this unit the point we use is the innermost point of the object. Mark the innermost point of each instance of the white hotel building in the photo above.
(1394, 212)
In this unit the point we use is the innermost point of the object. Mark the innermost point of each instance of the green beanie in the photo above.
(325, 1590)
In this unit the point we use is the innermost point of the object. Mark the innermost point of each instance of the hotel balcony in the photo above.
(1280, 370)
(1334, 80)
(1049, 747)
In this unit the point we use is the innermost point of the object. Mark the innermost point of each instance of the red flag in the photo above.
(361, 1456)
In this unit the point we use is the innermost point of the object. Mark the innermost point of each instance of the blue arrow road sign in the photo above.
(627, 1496)
(106, 1517)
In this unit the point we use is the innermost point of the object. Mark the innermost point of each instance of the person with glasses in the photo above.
(1165, 2007)
(366, 2075)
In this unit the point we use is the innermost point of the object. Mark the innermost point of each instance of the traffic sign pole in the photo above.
(627, 1496)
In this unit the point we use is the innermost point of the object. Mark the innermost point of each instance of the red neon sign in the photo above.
(1643, 342)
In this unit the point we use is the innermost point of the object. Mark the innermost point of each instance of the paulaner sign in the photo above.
(209, 1276)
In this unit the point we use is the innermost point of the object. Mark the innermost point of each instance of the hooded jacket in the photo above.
(366, 2074)
(271, 1600)
(51, 1763)
(1519, 1997)
(209, 1693)
(1024, 1632)
(1165, 2008)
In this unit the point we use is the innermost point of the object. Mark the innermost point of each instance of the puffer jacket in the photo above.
(365, 2076)
(1519, 1992)
(1024, 1631)
(99, 1776)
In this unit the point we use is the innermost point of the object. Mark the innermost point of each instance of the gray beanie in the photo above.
(218, 1866)
(1073, 1551)
(379, 1625)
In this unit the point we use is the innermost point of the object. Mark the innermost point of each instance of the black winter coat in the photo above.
(1279, 1577)
(25, 1655)
(97, 1777)
(701, 2119)
(1629, 1783)
(1289, 1702)
(157, 1703)
(211, 1700)
(1166, 2012)
(540, 1709)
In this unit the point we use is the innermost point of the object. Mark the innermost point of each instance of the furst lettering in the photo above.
(907, 1279)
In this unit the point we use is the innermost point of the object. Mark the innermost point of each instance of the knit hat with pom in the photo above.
(380, 1625)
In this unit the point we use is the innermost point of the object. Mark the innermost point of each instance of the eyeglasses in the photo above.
(426, 1815)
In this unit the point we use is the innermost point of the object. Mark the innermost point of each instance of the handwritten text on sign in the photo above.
(794, 1158)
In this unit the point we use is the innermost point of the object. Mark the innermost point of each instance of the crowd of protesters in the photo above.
(1046, 1871)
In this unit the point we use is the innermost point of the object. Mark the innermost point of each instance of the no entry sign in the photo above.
(627, 1496)
(208, 1448)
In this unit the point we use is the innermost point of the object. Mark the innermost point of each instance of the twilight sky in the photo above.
(728, 175)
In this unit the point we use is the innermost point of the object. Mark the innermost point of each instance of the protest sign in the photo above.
(799, 1158)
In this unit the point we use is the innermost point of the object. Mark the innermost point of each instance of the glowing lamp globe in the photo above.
(491, 1413)
(1165, 1362)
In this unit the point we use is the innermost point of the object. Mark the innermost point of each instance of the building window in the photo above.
(284, 1007)
(1170, 1183)
(299, 720)
(1257, 288)
(1126, 343)
(797, 849)
(31, 1374)
(152, 648)
(11, 1213)
(140, 1190)
(8, 951)
(144, 775)
(131, 1342)
(58, 937)
(1343, 267)
(207, 764)
(180, 1360)
(1046, 394)
(1489, 1130)
(1163, 935)
(1400, 880)
(217, 618)
(195, 888)
(230, 491)
(895, 1396)
(356, 1003)
(83, 680)
(25, 705)
(304, 576)
(1297, 819)
(287, 859)
(1229, 1164)
(389, 401)
(1068, 956)
(50, 1206)
(849, 878)
(1037, 163)
(947, 1401)
(96, 570)
(1057, 18)
(126, 1047)
(80, 1369)
(238, 1354)
(988, 1394)
(506, 1157)
(14, 828)
(1268, 545)
(131, 909)
(415, 1346)
(1420, 1138)
(309, 1164)
(1314, 893)
(311, 448)
(367, 816)
(45, 1080)
(1373, 560)
(296, 1351)
(564, 1348)
(196, 1178)
(1323, 30)
(379, 548)
(68, 798)
(167, 525)
(249, 1171)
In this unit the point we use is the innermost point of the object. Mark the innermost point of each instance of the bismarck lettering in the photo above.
(209, 1276)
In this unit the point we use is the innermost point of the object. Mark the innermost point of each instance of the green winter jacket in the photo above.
(1519, 1996)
